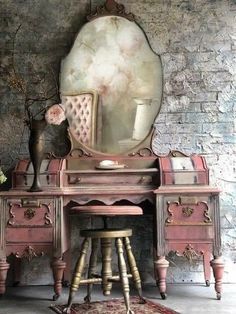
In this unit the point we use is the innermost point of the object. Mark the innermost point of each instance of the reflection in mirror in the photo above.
(112, 57)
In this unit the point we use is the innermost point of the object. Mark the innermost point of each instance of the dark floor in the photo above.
(183, 298)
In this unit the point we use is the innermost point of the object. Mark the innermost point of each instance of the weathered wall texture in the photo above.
(196, 40)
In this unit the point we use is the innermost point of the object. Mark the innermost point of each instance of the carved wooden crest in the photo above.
(111, 7)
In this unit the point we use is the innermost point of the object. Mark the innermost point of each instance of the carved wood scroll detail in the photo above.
(48, 220)
(170, 212)
(189, 253)
(187, 211)
(79, 152)
(29, 213)
(10, 221)
(111, 7)
(206, 213)
(29, 253)
(143, 152)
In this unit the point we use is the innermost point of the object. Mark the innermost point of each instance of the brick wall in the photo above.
(197, 44)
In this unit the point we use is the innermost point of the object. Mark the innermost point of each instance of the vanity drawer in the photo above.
(188, 211)
(114, 179)
(24, 235)
(190, 232)
(28, 212)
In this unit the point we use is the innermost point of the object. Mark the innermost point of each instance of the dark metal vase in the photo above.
(36, 150)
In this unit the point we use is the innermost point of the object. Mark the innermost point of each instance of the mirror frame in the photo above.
(144, 148)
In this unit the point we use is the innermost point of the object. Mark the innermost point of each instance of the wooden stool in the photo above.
(106, 235)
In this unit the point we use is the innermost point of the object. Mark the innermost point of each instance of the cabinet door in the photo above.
(186, 210)
(29, 227)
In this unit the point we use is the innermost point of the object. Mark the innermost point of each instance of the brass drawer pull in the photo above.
(145, 179)
(25, 202)
(74, 179)
(185, 200)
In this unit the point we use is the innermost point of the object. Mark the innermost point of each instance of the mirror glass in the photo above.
(112, 57)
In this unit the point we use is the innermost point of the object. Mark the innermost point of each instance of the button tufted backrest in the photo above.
(81, 113)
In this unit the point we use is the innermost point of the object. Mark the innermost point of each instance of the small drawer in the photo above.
(115, 179)
(190, 232)
(30, 212)
(25, 235)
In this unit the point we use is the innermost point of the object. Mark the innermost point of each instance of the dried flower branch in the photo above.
(44, 94)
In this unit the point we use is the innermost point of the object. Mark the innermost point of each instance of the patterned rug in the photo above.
(115, 306)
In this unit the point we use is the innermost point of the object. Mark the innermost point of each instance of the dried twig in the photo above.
(17, 82)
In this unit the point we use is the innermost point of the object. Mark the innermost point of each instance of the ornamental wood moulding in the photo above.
(189, 253)
(29, 214)
(111, 7)
(175, 210)
(29, 253)
(187, 211)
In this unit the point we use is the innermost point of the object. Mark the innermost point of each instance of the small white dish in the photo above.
(109, 165)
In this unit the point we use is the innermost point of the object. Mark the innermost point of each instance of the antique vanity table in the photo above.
(111, 101)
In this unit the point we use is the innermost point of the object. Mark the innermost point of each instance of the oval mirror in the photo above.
(111, 61)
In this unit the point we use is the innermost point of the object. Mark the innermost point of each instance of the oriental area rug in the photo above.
(115, 306)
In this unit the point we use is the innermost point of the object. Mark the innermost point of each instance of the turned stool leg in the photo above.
(92, 267)
(133, 268)
(123, 274)
(106, 265)
(77, 275)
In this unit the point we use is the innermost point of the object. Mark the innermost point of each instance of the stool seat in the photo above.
(106, 233)
(107, 210)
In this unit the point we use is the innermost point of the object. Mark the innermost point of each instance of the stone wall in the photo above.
(197, 44)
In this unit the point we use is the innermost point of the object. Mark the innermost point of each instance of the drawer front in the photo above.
(189, 232)
(30, 212)
(188, 211)
(77, 179)
(25, 235)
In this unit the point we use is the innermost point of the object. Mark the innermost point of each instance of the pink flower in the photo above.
(55, 114)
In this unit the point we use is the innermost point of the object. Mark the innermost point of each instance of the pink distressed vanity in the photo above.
(102, 166)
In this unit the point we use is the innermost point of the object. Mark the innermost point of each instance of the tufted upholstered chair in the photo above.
(83, 117)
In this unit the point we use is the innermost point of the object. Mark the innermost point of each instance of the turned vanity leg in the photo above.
(4, 266)
(58, 267)
(67, 272)
(218, 270)
(207, 267)
(160, 266)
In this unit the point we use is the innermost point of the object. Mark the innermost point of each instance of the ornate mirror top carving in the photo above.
(111, 7)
